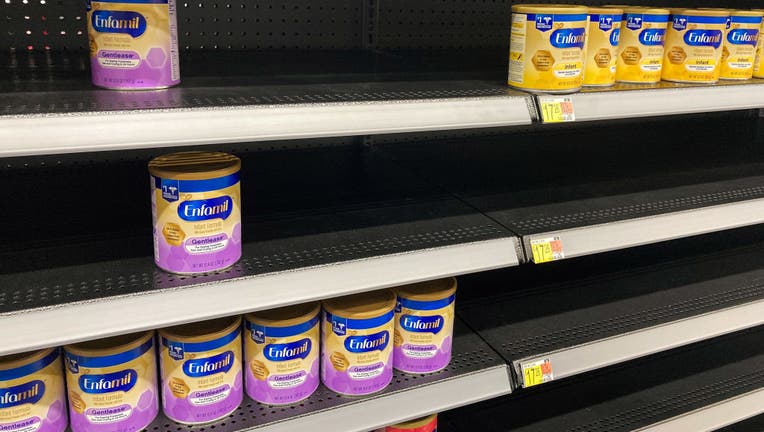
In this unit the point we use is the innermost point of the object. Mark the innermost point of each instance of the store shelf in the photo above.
(665, 98)
(753, 424)
(475, 374)
(583, 325)
(701, 388)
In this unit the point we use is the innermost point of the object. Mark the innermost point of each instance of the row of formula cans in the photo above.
(560, 48)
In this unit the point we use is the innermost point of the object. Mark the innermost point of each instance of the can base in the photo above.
(690, 82)
(195, 273)
(360, 395)
(539, 91)
(206, 421)
(135, 89)
(599, 85)
(292, 402)
(638, 82)
(735, 79)
(420, 372)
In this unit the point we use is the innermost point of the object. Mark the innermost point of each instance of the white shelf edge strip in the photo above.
(107, 317)
(655, 102)
(714, 416)
(392, 408)
(592, 239)
(72, 133)
(605, 352)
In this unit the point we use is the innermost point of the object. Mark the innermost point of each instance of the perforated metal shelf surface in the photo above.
(594, 322)
(475, 373)
(702, 387)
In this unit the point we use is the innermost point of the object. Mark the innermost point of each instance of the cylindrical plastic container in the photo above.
(201, 370)
(112, 383)
(640, 58)
(356, 339)
(32, 396)
(424, 326)
(740, 40)
(133, 43)
(196, 208)
(758, 63)
(281, 351)
(424, 424)
(694, 45)
(602, 46)
(547, 47)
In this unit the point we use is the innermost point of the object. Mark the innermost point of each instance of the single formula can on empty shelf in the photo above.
(112, 383)
(547, 47)
(640, 58)
(196, 206)
(694, 45)
(281, 351)
(357, 347)
(133, 43)
(740, 43)
(602, 46)
(32, 389)
(201, 370)
(424, 326)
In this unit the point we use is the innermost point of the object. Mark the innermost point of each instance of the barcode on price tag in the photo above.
(547, 249)
(537, 372)
(557, 109)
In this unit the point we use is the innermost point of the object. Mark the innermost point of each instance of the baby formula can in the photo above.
(694, 45)
(424, 424)
(547, 47)
(133, 43)
(357, 351)
(740, 41)
(201, 370)
(32, 392)
(758, 63)
(112, 383)
(195, 202)
(282, 353)
(424, 326)
(640, 58)
(602, 46)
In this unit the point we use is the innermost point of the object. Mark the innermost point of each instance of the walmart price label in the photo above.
(547, 249)
(556, 109)
(537, 372)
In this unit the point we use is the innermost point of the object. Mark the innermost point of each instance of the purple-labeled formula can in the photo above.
(133, 43)
(424, 326)
(112, 383)
(32, 397)
(195, 203)
(357, 347)
(281, 348)
(201, 370)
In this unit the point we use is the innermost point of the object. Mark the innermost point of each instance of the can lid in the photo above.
(747, 13)
(645, 10)
(111, 345)
(285, 316)
(416, 423)
(559, 9)
(430, 290)
(711, 12)
(202, 331)
(195, 165)
(362, 306)
(12, 361)
(614, 10)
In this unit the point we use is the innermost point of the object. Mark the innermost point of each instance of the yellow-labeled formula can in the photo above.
(112, 383)
(424, 326)
(602, 46)
(32, 396)
(694, 45)
(196, 207)
(740, 41)
(201, 370)
(758, 63)
(640, 57)
(547, 43)
(281, 351)
(357, 354)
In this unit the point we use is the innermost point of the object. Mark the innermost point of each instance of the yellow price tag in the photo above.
(547, 249)
(537, 373)
(556, 109)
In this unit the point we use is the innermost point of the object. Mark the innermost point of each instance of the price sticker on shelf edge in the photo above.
(557, 109)
(537, 372)
(547, 249)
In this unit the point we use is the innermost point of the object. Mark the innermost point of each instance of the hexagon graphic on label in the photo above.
(156, 57)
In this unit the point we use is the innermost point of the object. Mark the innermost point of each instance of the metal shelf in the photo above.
(475, 374)
(583, 325)
(665, 98)
(700, 388)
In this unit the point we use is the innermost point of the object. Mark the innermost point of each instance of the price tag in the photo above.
(547, 249)
(557, 109)
(537, 372)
